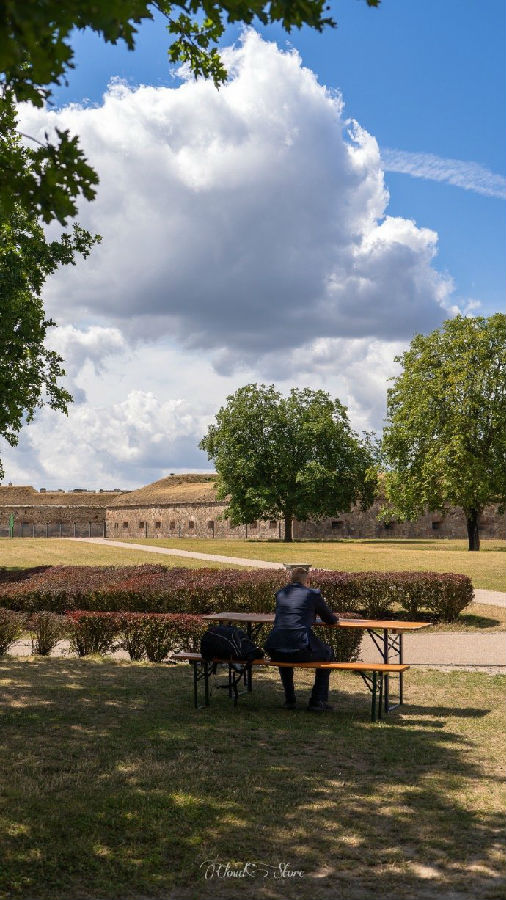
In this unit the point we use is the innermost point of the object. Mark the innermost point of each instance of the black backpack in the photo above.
(228, 642)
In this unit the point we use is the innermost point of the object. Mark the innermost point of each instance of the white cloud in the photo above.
(78, 347)
(468, 175)
(245, 219)
(92, 344)
(245, 238)
(119, 445)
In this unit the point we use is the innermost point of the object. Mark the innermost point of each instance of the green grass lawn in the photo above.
(486, 568)
(26, 552)
(115, 787)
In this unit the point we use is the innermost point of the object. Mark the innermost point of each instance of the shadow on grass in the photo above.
(477, 621)
(116, 788)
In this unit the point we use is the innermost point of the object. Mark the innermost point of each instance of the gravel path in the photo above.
(495, 598)
(456, 650)
(165, 551)
(446, 649)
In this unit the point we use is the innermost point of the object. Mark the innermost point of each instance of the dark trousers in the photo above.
(318, 652)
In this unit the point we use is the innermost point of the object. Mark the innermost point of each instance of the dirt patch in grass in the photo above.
(115, 787)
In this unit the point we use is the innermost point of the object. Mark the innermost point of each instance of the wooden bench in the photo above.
(373, 674)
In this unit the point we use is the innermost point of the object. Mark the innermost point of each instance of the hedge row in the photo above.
(45, 629)
(151, 636)
(152, 588)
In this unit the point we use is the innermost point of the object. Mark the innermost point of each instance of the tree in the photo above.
(29, 371)
(445, 437)
(35, 53)
(294, 457)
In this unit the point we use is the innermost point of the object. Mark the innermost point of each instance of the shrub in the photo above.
(155, 635)
(448, 603)
(11, 628)
(157, 589)
(345, 642)
(92, 632)
(46, 629)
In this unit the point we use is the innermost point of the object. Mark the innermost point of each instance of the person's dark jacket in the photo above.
(296, 610)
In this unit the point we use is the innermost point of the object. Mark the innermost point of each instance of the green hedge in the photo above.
(154, 636)
(143, 635)
(151, 588)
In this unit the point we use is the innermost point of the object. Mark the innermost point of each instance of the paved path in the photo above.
(448, 649)
(165, 551)
(495, 598)
(455, 649)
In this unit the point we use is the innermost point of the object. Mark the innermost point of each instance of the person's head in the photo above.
(299, 575)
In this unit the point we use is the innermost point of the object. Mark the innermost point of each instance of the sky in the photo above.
(342, 192)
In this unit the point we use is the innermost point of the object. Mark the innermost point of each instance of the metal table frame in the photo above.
(389, 645)
(237, 671)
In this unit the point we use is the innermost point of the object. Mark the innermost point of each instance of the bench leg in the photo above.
(195, 686)
(205, 668)
(385, 660)
(401, 674)
(373, 698)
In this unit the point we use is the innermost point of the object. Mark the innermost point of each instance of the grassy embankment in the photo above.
(115, 787)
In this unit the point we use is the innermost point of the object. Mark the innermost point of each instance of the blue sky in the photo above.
(248, 237)
(424, 77)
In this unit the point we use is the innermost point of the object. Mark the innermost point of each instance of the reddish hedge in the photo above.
(11, 628)
(152, 588)
(143, 635)
(154, 636)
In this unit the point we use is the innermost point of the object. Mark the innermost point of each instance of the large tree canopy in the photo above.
(29, 371)
(294, 457)
(445, 438)
(36, 53)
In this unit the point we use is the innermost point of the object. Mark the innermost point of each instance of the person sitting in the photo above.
(293, 640)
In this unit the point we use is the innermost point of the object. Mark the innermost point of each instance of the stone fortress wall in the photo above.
(183, 520)
(78, 513)
(186, 506)
(365, 524)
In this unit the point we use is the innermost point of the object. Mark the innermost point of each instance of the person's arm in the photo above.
(325, 613)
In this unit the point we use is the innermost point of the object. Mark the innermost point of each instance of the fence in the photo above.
(54, 529)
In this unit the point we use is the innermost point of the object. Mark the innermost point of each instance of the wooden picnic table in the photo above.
(386, 634)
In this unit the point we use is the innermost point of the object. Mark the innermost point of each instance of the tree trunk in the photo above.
(473, 531)
(288, 528)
